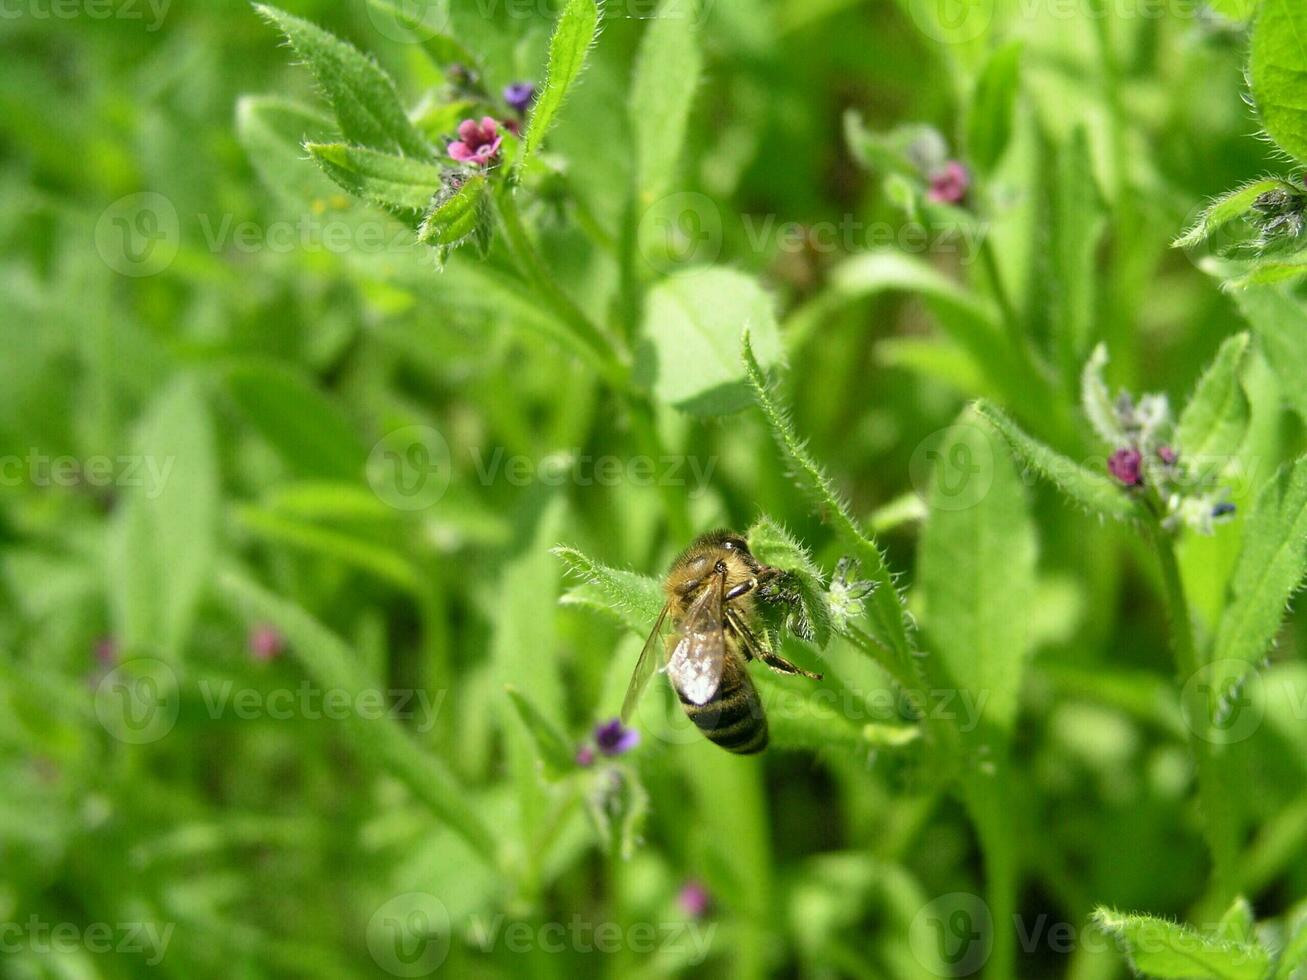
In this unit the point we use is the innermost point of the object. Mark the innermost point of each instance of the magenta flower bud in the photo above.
(1125, 465)
(949, 184)
(1167, 455)
(266, 642)
(693, 899)
(518, 96)
(585, 756)
(106, 651)
(613, 738)
(477, 143)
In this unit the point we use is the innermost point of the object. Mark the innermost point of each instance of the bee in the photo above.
(712, 593)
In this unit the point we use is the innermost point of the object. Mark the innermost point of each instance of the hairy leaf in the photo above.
(573, 35)
(398, 183)
(1277, 66)
(1160, 948)
(1214, 422)
(1280, 321)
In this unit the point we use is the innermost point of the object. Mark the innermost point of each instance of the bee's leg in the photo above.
(742, 589)
(782, 666)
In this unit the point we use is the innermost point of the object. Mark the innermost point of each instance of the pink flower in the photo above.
(1167, 455)
(1125, 465)
(478, 142)
(266, 642)
(949, 184)
(694, 899)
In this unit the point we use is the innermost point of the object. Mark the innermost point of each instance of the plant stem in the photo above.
(594, 342)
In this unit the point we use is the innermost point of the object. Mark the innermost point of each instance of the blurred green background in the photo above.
(229, 381)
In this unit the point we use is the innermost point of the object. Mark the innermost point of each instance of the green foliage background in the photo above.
(271, 353)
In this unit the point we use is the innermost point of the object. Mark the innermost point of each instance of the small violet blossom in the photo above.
(518, 96)
(1126, 466)
(614, 738)
(266, 642)
(477, 143)
(949, 184)
(694, 899)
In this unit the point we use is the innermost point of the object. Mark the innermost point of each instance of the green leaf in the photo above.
(1277, 66)
(1238, 924)
(1159, 948)
(1226, 208)
(306, 428)
(802, 721)
(772, 545)
(459, 214)
(1234, 9)
(888, 613)
(989, 121)
(1094, 491)
(273, 132)
(405, 15)
(366, 104)
(662, 92)
(690, 354)
(334, 667)
(976, 567)
(163, 547)
(637, 599)
(397, 183)
(575, 32)
(1280, 321)
(1215, 420)
(556, 755)
(1293, 957)
(1078, 218)
(1269, 571)
(1096, 400)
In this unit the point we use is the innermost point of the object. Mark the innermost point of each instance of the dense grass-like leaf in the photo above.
(1215, 420)
(690, 353)
(976, 566)
(1277, 66)
(400, 184)
(989, 120)
(573, 35)
(306, 428)
(363, 96)
(1280, 322)
(1094, 491)
(556, 756)
(1078, 221)
(166, 539)
(885, 605)
(333, 666)
(662, 92)
(1160, 948)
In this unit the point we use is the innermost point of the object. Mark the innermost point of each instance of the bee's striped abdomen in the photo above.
(733, 718)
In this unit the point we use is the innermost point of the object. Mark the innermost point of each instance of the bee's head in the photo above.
(723, 539)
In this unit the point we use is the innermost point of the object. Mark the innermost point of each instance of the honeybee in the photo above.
(712, 590)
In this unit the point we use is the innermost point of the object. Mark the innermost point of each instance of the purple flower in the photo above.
(1125, 465)
(1167, 455)
(694, 900)
(949, 184)
(613, 738)
(478, 142)
(1223, 509)
(266, 642)
(585, 756)
(519, 95)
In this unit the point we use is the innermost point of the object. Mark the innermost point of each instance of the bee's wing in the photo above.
(644, 668)
(695, 666)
